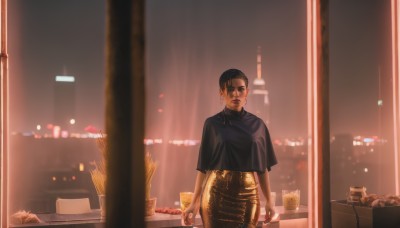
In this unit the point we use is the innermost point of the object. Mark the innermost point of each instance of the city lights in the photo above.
(65, 79)
(56, 132)
(81, 167)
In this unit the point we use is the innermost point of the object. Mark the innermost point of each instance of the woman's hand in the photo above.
(189, 215)
(269, 212)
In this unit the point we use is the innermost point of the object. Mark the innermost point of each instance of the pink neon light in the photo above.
(312, 113)
(395, 77)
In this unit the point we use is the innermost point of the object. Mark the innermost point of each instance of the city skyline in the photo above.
(185, 48)
(188, 45)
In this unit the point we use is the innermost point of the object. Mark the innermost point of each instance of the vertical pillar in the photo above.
(318, 113)
(4, 116)
(395, 87)
(125, 114)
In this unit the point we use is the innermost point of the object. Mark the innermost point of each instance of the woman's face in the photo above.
(235, 94)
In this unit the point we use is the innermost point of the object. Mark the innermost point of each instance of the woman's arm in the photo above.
(189, 214)
(263, 178)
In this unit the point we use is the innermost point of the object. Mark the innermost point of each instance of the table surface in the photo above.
(157, 220)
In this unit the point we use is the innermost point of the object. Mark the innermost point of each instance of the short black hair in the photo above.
(226, 78)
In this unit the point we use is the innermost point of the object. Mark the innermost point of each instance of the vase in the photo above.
(102, 202)
(150, 206)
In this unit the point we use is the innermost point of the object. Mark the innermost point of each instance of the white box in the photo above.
(72, 206)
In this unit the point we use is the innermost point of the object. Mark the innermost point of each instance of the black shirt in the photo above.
(237, 141)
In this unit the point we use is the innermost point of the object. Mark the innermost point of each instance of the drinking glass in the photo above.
(185, 200)
(291, 199)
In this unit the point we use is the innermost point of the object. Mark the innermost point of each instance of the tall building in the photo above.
(259, 94)
(64, 101)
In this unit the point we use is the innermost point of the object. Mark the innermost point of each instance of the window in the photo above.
(56, 52)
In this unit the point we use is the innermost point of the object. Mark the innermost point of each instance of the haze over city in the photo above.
(188, 45)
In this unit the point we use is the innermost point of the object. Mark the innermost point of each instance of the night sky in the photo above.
(49, 38)
(360, 45)
(188, 45)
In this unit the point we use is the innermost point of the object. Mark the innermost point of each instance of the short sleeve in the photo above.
(204, 151)
(271, 158)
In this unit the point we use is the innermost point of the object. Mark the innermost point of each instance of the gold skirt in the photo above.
(230, 199)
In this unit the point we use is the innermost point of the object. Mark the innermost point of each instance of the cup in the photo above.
(356, 193)
(291, 199)
(185, 199)
(150, 206)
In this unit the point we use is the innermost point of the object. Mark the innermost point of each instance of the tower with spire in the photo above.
(259, 93)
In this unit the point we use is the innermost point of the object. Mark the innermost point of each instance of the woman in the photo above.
(235, 145)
